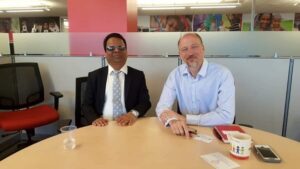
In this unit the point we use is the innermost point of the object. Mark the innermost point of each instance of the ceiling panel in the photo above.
(59, 8)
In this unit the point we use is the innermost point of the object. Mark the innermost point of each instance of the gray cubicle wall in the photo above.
(5, 59)
(156, 72)
(293, 128)
(260, 90)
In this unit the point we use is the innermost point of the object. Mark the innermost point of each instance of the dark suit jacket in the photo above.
(136, 93)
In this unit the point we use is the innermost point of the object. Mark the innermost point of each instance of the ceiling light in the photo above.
(163, 8)
(212, 7)
(182, 4)
(174, 2)
(24, 10)
(22, 3)
(24, 6)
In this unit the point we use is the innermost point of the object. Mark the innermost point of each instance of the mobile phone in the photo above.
(266, 153)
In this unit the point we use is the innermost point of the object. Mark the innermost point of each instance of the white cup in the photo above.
(240, 145)
(69, 140)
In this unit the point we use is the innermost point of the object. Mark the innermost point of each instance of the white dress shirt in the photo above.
(208, 99)
(108, 105)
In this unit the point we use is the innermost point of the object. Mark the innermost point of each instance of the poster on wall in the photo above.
(171, 23)
(217, 22)
(273, 22)
(207, 22)
(269, 22)
(297, 22)
(5, 25)
(39, 24)
(232, 22)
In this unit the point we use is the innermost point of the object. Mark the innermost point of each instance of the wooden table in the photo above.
(145, 145)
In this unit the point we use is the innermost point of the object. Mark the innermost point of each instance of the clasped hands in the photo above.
(122, 120)
(177, 123)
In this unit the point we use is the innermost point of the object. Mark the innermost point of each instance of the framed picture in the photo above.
(39, 24)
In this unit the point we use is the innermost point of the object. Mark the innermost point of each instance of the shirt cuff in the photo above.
(135, 113)
(192, 119)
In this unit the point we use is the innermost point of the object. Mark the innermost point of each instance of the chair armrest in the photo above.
(56, 96)
(246, 125)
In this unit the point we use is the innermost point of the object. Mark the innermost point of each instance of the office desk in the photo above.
(145, 145)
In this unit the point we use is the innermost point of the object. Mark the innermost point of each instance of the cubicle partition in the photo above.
(261, 79)
(262, 44)
(294, 107)
(156, 71)
(45, 43)
(5, 59)
(260, 90)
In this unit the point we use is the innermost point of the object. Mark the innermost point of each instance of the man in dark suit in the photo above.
(99, 102)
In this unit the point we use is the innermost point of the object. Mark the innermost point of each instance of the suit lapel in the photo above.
(128, 80)
(103, 79)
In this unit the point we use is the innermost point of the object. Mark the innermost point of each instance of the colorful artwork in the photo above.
(39, 24)
(232, 22)
(171, 23)
(273, 22)
(217, 22)
(207, 22)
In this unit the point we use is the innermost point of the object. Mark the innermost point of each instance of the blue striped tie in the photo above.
(117, 104)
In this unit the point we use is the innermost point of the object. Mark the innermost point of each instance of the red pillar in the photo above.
(88, 18)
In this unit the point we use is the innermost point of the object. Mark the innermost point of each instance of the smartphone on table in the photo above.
(267, 154)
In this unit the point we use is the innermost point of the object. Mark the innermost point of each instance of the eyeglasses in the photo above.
(193, 48)
(113, 48)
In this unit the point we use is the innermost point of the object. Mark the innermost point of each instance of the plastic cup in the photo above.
(69, 141)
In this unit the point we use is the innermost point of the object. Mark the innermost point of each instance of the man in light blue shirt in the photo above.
(205, 91)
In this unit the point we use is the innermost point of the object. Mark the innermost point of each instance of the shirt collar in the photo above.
(202, 72)
(124, 69)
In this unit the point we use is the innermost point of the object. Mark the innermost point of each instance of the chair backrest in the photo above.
(80, 92)
(21, 85)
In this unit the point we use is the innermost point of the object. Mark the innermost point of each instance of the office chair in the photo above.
(21, 91)
(80, 120)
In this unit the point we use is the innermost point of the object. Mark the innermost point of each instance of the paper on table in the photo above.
(219, 161)
(203, 138)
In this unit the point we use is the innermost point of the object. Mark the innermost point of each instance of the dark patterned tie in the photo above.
(117, 104)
